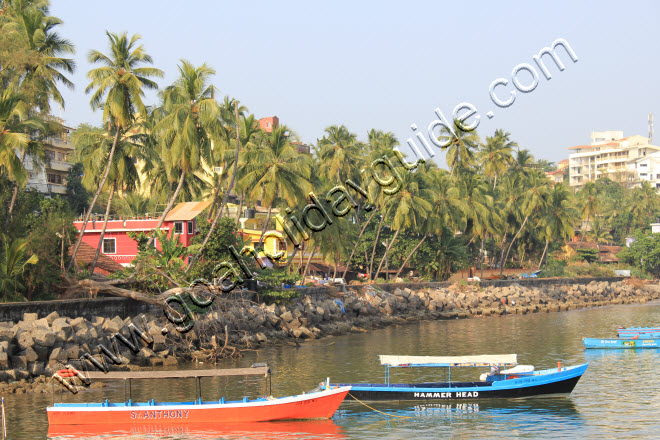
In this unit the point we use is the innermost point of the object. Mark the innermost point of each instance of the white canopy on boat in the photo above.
(485, 360)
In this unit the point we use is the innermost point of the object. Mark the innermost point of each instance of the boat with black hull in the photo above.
(506, 379)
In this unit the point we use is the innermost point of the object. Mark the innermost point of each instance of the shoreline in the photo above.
(32, 349)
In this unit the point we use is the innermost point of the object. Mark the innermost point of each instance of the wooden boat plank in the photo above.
(172, 374)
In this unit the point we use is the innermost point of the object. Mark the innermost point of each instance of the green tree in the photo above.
(559, 217)
(118, 88)
(496, 155)
(13, 260)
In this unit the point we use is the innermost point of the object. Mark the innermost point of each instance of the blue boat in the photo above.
(620, 343)
(639, 332)
(506, 379)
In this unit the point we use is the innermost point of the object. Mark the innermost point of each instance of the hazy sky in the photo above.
(387, 65)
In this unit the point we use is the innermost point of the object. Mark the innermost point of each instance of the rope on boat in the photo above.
(378, 411)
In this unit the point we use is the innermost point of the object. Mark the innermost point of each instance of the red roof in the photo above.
(550, 173)
(579, 146)
(85, 257)
(563, 161)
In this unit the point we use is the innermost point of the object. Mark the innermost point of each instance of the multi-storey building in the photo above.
(624, 159)
(49, 177)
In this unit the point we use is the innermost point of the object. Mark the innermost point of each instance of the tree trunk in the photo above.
(169, 206)
(481, 258)
(263, 230)
(13, 197)
(511, 245)
(544, 251)
(309, 260)
(240, 209)
(373, 252)
(502, 254)
(288, 263)
(224, 199)
(334, 274)
(105, 224)
(410, 255)
(93, 202)
(380, 266)
(364, 227)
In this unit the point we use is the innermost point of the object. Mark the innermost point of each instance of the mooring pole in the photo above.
(4, 425)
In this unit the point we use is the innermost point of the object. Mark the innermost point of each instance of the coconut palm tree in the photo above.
(590, 201)
(190, 125)
(559, 216)
(274, 169)
(523, 162)
(496, 156)
(118, 88)
(461, 145)
(15, 126)
(405, 209)
(338, 150)
(92, 149)
(533, 198)
(44, 66)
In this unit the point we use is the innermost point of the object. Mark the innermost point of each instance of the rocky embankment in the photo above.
(33, 347)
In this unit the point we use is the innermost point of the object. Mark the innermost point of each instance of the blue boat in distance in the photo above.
(620, 343)
(513, 382)
(639, 333)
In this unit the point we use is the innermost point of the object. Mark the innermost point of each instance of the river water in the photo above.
(618, 397)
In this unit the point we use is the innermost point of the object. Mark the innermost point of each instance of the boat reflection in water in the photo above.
(295, 430)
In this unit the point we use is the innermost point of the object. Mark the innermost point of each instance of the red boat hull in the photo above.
(318, 405)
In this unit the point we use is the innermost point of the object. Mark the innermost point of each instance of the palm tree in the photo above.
(14, 138)
(118, 89)
(44, 66)
(274, 169)
(405, 209)
(461, 145)
(496, 155)
(13, 261)
(533, 198)
(93, 146)
(522, 162)
(590, 201)
(190, 125)
(559, 216)
(338, 150)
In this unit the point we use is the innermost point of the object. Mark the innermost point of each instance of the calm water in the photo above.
(618, 397)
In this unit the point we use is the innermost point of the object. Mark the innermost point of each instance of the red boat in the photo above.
(314, 405)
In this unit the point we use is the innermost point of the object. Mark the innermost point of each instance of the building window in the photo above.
(50, 154)
(178, 227)
(109, 245)
(60, 157)
(191, 228)
(54, 178)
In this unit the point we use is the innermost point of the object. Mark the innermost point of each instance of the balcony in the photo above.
(59, 165)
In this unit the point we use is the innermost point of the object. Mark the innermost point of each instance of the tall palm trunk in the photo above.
(263, 230)
(240, 210)
(13, 198)
(544, 251)
(481, 258)
(224, 199)
(169, 206)
(373, 252)
(96, 196)
(410, 255)
(364, 227)
(511, 244)
(288, 263)
(105, 224)
(380, 266)
(309, 260)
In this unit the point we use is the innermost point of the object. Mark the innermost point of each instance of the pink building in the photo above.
(117, 245)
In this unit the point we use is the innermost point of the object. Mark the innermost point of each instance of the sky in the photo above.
(387, 65)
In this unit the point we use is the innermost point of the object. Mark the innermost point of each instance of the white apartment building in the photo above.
(50, 177)
(623, 159)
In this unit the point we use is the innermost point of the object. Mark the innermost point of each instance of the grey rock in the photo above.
(27, 317)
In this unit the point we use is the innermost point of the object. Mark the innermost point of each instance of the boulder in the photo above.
(28, 317)
(18, 362)
(25, 340)
(62, 325)
(287, 316)
(4, 360)
(43, 337)
(52, 317)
